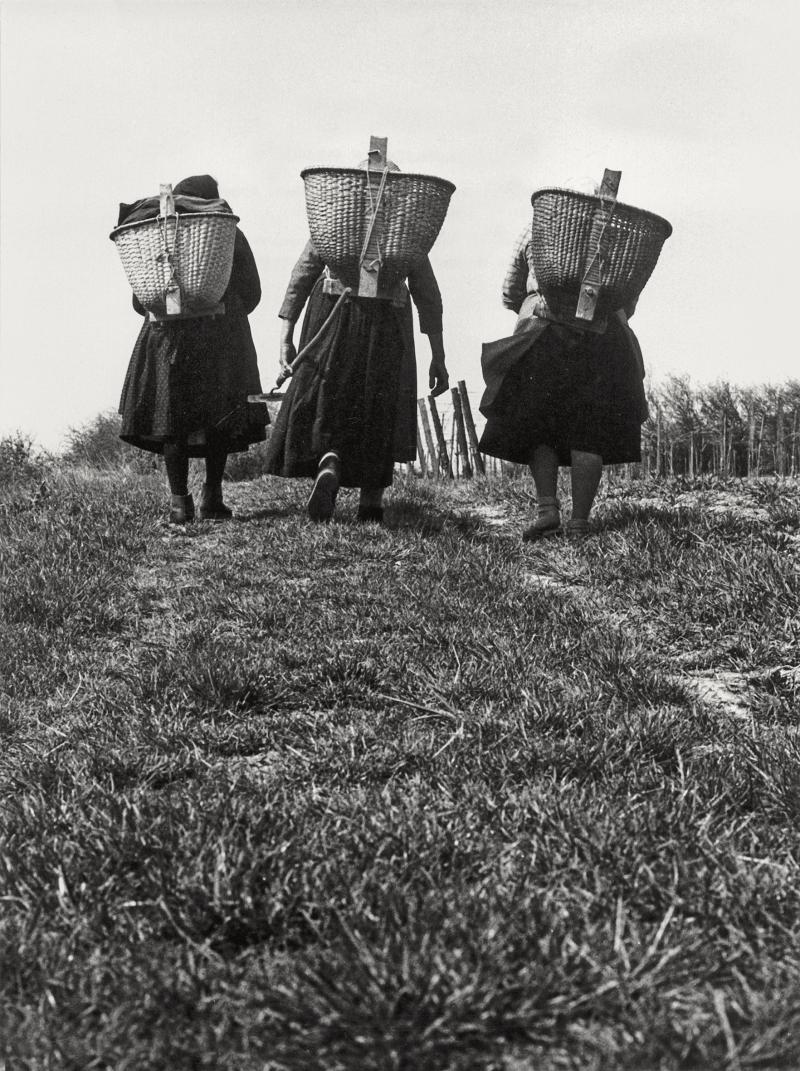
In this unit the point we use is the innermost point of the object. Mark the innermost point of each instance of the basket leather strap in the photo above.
(592, 282)
(172, 292)
(398, 294)
(191, 314)
(371, 259)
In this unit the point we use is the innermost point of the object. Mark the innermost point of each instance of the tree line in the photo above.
(721, 429)
(717, 429)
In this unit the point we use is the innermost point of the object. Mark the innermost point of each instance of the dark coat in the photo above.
(357, 395)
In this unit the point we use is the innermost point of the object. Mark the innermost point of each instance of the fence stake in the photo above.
(470, 426)
(445, 466)
(779, 442)
(458, 419)
(426, 429)
(453, 449)
(421, 454)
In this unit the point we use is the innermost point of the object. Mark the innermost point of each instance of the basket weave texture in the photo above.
(201, 245)
(629, 248)
(411, 213)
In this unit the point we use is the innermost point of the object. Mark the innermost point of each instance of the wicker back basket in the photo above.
(629, 247)
(411, 211)
(196, 246)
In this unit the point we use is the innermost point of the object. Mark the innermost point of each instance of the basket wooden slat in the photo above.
(631, 244)
(411, 214)
(202, 247)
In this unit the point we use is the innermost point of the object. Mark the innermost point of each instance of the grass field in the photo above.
(297, 798)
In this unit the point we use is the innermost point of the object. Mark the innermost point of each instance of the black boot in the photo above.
(212, 508)
(181, 509)
(370, 514)
(322, 500)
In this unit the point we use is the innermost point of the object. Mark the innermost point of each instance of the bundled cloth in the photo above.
(150, 207)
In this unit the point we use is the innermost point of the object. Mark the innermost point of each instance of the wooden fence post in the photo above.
(466, 410)
(453, 448)
(658, 441)
(779, 441)
(458, 419)
(426, 428)
(421, 454)
(445, 467)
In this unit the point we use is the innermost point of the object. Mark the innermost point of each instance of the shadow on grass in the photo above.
(267, 514)
(432, 521)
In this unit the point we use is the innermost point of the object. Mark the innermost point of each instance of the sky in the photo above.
(694, 101)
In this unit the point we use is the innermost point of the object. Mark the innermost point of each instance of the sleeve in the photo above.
(516, 278)
(427, 297)
(304, 275)
(244, 274)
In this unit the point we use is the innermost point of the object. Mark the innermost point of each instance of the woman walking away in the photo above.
(185, 392)
(559, 392)
(350, 410)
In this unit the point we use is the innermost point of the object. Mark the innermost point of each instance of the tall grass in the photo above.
(295, 797)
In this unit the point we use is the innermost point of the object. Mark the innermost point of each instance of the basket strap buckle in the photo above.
(592, 282)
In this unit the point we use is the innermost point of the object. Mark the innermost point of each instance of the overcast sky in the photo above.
(101, 101)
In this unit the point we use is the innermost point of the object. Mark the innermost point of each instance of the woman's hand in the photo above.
(287, 351)
(438, 376)
(287, 356)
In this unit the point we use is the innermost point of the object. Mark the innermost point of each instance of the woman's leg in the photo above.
(176, 462)
(544, 469)
(216, 460)
(370, 504)
(212, 508)
(586, 472)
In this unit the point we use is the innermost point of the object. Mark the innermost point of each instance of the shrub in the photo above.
(98, 445)
(248, 464)
(19, 458)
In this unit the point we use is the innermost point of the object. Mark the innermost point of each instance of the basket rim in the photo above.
(391, 176)
(596, 200)
(182, 215)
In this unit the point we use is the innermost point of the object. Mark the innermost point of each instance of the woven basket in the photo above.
(202, 247)
(630, 246)
(411, 213)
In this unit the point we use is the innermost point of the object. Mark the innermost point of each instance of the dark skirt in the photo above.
(356, 395)
(566, 389)
(188, 381)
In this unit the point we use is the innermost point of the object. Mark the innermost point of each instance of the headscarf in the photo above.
(198, 186)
